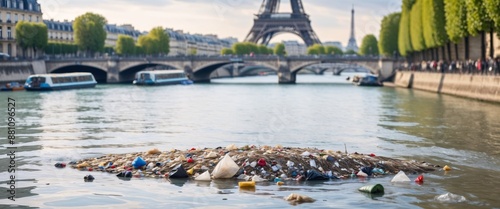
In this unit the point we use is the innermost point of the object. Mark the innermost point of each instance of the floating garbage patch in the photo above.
(251, 163)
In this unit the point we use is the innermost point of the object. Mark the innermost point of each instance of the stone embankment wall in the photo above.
(481, 87)
(20, 70)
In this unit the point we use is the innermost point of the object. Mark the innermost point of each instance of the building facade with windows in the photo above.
(59, 31)
(11, 12)
(189, 44)
(63, 32)
(337, 44)
(294, 48)
(113, 31)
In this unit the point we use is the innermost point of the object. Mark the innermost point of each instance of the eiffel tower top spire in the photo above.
(269, 22)
(352, 45)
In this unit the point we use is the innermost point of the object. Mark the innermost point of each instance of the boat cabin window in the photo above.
(36, 81)
(144, 76)
(82, 78)
(170, 75)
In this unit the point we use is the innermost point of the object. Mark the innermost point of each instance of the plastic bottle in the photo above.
(246, 184)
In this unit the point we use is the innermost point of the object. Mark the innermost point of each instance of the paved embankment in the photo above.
(481, 87)
(20, 70)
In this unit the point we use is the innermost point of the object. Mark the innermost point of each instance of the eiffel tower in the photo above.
(269, 22)
(352, 45)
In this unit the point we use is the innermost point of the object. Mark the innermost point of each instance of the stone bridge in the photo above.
(119, 70)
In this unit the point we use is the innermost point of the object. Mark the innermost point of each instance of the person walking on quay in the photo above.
(491, 66)
(496, 63)
(470, 66)
(478, 65)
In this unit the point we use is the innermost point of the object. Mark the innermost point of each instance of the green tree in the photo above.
(41, 38)
(125, 45)
(316, 49)
(54, 48)
(226, 51)
(389, 31)
(279, 49)
(161, 41)
(369, 45)
(477, 18)
(263, 49)
(333, 50)
(89, 32)
(31, 36)
(493, 10)
(434, 23)
(478, 21)
(146, 44)
(24, 35)
(404, 37)
(416, 31)
(456, 19)
(240, 49)
(139, 50)
(350, 51)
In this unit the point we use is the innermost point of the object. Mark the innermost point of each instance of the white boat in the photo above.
(367, 80)
(161, 77)
(49, 82)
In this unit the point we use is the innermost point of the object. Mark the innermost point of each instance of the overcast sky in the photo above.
(330, 18)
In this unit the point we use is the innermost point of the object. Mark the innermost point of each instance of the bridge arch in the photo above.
(99, 73)
(338, 72)
(248, 69)
(202, 73)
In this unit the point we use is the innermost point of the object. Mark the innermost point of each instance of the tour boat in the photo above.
(367, 80)
(49, 82)
(161, 77)
(12, 86)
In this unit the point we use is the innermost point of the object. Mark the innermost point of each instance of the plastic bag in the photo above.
(400, 177)
(226, 168)
(367, 170)
(297, 198)
(315, 175)
(203, 177)
(211, 155)
(138, 162)
(178, 172)
(231, 147)
(258, 179)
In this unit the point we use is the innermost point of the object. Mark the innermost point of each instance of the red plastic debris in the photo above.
(420, 179)
(190, 160)
(91, 169)
(372, 155)
(261, 162)
(192, 149)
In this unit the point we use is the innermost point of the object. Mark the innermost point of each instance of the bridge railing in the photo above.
(229, 58)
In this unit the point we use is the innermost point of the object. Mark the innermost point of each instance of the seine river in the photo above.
(320, 111)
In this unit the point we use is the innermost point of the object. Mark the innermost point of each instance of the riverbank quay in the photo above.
(480, 87)
(265, 163)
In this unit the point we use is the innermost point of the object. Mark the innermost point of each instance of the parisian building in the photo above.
(63, 32)
(182, 43)
(337, 44)
(11, 12)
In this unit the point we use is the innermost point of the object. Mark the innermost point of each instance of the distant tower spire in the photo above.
(352, 45)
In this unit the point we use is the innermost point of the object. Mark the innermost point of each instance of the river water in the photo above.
(320, 111)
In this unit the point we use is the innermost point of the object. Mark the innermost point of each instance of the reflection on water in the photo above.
(330, 114)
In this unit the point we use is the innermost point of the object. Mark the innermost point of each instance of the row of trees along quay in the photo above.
(90, 36)
(424, 28)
